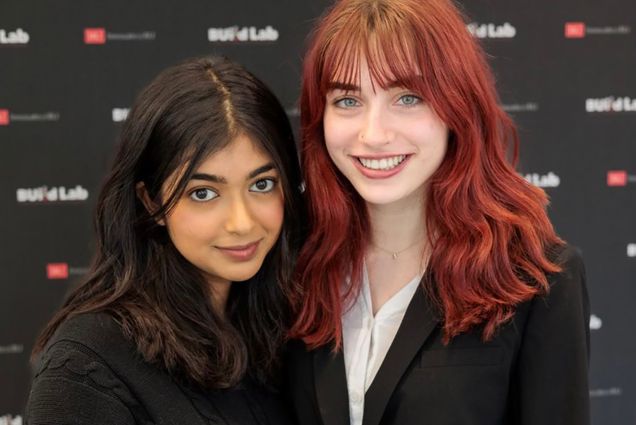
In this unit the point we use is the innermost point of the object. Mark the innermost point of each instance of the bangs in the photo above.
(384, 39)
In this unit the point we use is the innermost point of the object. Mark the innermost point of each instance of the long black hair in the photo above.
(185, 114)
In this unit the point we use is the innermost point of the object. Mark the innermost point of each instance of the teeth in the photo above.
(382, 164)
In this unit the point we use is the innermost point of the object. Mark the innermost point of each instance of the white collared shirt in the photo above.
(366, 339)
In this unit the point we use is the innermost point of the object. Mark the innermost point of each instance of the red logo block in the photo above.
(617, 178)
(94, 35)
(4, 117)
(574, 29)
(57, 270)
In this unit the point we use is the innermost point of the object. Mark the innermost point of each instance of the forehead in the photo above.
(238, 158)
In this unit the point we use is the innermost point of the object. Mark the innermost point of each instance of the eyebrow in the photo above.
(263, 169)
(218, 179)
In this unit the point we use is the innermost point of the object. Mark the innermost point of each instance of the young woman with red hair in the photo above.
(432, 288)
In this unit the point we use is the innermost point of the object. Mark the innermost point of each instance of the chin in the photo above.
(239, 277)
(384, 198)
(248, 272)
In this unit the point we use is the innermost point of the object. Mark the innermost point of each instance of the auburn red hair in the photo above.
(489, 231)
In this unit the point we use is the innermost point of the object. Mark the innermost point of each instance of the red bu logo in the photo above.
(94, 35)
(574, 29)
(617, 178)
(57, 271)
(4, 117)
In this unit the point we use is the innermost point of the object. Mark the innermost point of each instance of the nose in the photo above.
(239, 220)
(375, 130)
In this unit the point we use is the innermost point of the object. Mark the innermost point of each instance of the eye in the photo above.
(203, 194)
(409, 100)
(346, 102)
(263, 185)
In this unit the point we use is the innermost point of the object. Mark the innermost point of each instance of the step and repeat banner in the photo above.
(69, 71)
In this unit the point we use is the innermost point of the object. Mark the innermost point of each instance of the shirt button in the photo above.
(356, 397)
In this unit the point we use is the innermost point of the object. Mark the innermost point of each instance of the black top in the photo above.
(533, 372)
(90, 374)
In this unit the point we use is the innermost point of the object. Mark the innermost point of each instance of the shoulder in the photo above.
(92, 329)
(90, 344)
(83, 345)
(566, 304)
(569, 258)
(554, 349)
(571, 280)
(94, 337)
(74, 377)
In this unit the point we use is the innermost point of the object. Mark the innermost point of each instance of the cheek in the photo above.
(431, 133)
(338, 131)
(340, 140)
(441, 142)
(189, 226)
(439, 130)
(271, 213)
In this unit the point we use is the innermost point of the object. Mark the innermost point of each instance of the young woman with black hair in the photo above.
(182, 315)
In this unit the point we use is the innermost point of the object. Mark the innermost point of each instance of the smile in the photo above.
(240, 252)
(383, 164)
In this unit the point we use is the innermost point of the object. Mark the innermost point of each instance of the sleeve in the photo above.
(73, 387)
(554, 353)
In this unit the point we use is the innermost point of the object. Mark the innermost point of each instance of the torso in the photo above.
(367, 336)
(89, 368)
(534, 370)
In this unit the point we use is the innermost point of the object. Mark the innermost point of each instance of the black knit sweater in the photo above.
(90, 374)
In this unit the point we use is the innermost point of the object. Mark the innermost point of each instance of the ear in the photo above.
(149, 204)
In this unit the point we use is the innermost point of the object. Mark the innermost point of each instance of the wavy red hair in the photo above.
(489, 231)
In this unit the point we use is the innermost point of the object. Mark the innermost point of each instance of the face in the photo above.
(230, 214)
(387, 143)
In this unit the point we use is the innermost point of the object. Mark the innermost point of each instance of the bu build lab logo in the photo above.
(549, 180)
(18, 37)
(617, 178)
(101, 36)
(490, 30)
(611, 104)
(236, 34)
(49, 195)
(582, 30)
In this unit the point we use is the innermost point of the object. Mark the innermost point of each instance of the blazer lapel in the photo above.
(418, 323)
(331, 386)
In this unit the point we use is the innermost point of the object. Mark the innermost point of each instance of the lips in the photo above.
(240, 252)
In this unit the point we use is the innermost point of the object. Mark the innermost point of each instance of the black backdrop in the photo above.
(69, 70)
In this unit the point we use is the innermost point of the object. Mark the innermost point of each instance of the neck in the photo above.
(219, 292)
(398, 225)
(397, 250)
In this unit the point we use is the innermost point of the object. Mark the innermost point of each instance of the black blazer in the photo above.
(534, 371)
(90, 374)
